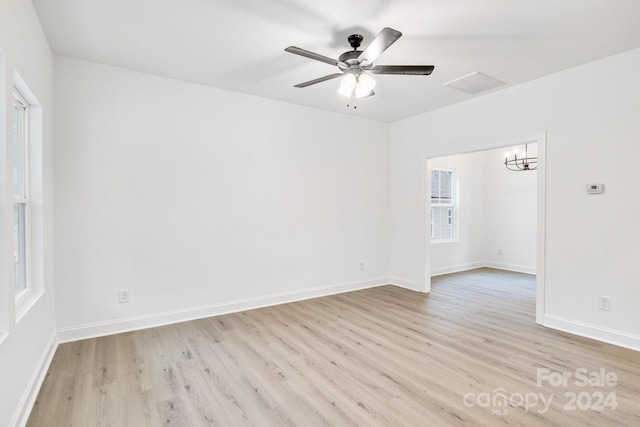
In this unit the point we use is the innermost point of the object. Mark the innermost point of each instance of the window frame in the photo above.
(452, 206)
(21, 201)
(32, 197)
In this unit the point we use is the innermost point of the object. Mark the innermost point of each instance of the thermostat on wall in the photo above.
(595, 188)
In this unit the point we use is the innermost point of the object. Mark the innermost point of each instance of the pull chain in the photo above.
(354, 100)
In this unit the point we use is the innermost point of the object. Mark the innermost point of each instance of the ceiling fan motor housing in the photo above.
(349, 58)
(355, 40)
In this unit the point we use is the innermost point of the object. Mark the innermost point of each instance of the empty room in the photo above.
(294, 213)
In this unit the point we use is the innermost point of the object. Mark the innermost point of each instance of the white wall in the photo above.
(200, 201)
(26, 345)
(510, 204)
(590, 115)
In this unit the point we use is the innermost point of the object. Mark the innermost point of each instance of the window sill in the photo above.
(26, 302)
(440, 242)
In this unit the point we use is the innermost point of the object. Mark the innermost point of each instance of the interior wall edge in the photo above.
(405, 283)
(28, 399)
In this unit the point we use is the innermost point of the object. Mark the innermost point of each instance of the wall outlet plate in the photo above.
(604, 303)
(123, 297)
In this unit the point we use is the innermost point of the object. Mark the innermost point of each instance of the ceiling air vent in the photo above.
(474, 83)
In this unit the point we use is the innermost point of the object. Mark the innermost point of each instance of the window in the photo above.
(20, 193)
(443, 201)
(27, 199)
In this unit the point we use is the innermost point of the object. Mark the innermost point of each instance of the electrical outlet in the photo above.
(362, 266)
(123, 297)
(604, 303)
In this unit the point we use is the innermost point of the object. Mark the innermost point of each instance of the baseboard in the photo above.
(457, 268)
(610, 336)
(481, 264)
(117, 326)
(510, 267)
(28, 399)
(404, 283)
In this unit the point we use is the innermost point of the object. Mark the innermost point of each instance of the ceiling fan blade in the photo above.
(379, 44)
(298, 51)
(319, 80)
(410, 70)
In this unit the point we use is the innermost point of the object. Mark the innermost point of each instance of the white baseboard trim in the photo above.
(28, 399)
(404, 283)
(457, 268)
(481, 264)
(117, 326)
(610, 336)
(511, 267)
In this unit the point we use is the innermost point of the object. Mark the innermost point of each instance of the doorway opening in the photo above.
(480, 214)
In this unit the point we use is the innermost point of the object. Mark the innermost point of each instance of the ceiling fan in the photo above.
(354, 64)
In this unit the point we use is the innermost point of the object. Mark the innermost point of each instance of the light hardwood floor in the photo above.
(378, 357)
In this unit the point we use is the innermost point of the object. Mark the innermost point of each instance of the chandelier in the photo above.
(522, 163)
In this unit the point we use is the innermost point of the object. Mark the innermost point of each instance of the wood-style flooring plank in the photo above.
(384, 356)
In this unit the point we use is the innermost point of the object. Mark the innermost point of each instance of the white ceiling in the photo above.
(239, 44)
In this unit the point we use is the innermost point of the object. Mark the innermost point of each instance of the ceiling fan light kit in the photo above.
(359, 84)
(353, 64)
